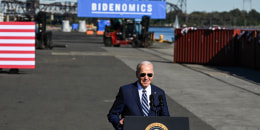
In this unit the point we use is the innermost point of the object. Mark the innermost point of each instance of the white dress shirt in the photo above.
(148, 92)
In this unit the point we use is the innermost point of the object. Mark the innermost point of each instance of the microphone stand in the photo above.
(152, 105)
(161, 102)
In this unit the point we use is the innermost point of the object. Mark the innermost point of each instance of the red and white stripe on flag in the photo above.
(17, 45)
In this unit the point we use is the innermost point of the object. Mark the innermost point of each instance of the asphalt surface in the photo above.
(73, 88)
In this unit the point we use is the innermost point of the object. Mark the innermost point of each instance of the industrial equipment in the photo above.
(43, 38)
(128, 31)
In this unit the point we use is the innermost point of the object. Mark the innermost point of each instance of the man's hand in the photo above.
(121, 122)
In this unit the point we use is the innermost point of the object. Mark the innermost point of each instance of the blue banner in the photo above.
(121, 9)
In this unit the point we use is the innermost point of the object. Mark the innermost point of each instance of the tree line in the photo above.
(233, 18)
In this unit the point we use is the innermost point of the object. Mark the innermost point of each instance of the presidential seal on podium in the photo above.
(156, 126)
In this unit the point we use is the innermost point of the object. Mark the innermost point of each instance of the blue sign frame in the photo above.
(121, 9)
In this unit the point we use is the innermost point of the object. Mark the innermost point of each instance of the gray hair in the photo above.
(143, 63)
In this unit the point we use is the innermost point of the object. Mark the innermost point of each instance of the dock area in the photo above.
(75, 83)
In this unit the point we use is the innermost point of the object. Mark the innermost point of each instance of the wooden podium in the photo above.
(155, 123)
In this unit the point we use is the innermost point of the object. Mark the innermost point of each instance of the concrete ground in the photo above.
(73, 88)
(226, 98)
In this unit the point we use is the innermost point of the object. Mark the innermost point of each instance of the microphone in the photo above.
(161, 100)
(152, 105)
(151, 101)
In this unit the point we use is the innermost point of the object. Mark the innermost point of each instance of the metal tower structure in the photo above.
(14, 8)
(183, 5)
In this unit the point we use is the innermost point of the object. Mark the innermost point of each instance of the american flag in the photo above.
(17, 45)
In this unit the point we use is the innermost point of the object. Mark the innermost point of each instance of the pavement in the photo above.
(226, 98)
(73, 88)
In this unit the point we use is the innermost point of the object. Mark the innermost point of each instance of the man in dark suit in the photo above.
(134, 99)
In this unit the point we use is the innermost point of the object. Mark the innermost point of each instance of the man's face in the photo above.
(145, 75)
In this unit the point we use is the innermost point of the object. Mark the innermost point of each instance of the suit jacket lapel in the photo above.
(153, 90)
(137, 98)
